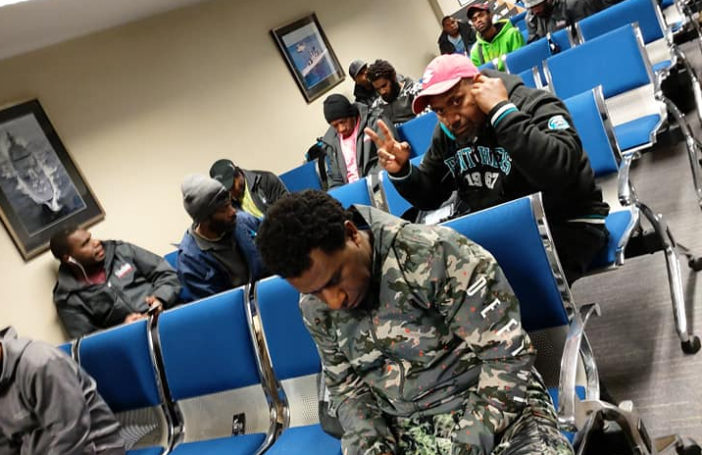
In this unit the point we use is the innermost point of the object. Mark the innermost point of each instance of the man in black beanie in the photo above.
(352, 155)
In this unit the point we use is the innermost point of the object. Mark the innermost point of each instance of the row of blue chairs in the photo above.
(237, 373)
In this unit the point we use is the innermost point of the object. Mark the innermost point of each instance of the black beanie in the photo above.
(338, 106)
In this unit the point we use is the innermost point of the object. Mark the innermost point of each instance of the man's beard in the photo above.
(392, 96)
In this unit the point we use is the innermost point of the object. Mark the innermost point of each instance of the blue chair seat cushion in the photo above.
(660, 66)
(146, 451)
(246, 444)
(636, 132)
(579, 391)
(616, 223)
(308, 440)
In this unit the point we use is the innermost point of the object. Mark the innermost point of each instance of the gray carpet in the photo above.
(635, 343)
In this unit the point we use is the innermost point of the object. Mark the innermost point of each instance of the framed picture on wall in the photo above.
(41, 189)
(309, 56)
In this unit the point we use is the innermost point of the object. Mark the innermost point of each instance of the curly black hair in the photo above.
(59, 244)
(297, 224)
(380, 69)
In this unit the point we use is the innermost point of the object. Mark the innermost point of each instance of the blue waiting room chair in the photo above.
(590, 117)
(213, 378)
(517, 235)
(296, 366)
(358, 192)
(304, 177)
(121, 361)
(636, 104)
(418, 133)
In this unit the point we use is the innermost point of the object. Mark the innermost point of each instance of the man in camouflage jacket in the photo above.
(418, 330)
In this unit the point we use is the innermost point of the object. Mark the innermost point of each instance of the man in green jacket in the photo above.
(495, 39)
(418, 330)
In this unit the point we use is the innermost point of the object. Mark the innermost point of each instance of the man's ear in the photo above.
(65, 258)
(352, 231)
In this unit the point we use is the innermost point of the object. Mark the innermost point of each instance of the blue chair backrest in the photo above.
(302, 178)
(519, 20)
(587, 118)
(645, 12)
(292, 351)
(528, 78)
(120, 361)
(613, 60)
(67, 348)
(563, 38)
(352, 193)
(511, 232)
(396, 204)
(206, 346)
(528, 56)
(487, 66)
(172, 259)
(418, 132)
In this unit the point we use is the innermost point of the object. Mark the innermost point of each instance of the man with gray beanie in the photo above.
(352, 155)
(217, 252)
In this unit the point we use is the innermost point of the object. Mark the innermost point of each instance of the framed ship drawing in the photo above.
(309, 56)
(41, 190)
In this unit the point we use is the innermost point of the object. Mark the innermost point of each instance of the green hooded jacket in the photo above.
(508, 38)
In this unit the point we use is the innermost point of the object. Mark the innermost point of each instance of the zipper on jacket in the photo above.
(394, 360)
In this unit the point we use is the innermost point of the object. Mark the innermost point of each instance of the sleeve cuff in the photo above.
(398, 177)
(501, 111)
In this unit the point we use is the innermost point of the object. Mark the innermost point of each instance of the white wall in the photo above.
(140, 106)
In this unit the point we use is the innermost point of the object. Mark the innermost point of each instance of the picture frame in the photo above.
(41, 189)
(309, 56)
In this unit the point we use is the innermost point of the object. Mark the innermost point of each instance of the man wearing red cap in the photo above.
(496, 141)
(495, 39)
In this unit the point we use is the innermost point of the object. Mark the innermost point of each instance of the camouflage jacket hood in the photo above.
(439, 332)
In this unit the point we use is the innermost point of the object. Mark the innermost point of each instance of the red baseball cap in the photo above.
(484, 6)
(441, 75)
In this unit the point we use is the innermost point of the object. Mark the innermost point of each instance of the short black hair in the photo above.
(297, 224)
(444, 19)
(59, 244)
(380, 69)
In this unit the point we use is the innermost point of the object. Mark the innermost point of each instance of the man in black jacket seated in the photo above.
(106, 283)
(352, 155)
(457, 37)
(498, 140)
(251, 191)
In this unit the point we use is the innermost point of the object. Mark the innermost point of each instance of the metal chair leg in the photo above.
(689, 342)
(690, 141)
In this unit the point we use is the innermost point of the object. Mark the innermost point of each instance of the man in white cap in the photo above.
(544, 16)
(217, 252)
(498, 140)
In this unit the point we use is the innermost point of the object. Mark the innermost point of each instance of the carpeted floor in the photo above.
(635, 343)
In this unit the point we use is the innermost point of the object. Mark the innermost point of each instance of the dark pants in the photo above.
(577, 245)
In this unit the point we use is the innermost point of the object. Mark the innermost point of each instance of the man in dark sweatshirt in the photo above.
(496, 141)
(106, 283)
(49, 404)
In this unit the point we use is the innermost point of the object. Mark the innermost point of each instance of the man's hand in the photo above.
(393, 155)
(155, 305)
(131, 317)
(488, 92)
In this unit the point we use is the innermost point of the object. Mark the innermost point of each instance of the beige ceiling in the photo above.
(35, 24)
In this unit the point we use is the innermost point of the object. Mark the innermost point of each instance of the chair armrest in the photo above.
(572, 351)
(624, 190)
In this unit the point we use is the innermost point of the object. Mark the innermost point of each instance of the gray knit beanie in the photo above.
(202, 196)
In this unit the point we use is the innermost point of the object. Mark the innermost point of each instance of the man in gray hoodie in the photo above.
(50, 406)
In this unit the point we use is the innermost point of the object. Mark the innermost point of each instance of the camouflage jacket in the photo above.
(439, 332)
